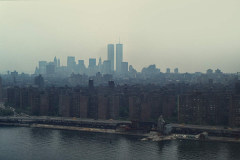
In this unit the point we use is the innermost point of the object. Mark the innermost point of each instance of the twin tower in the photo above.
(119, 56)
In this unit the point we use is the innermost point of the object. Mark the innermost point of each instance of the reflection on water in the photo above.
(34, 143)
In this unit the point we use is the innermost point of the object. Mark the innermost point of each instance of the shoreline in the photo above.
(152, 136)
(73, 128)
(185, 137)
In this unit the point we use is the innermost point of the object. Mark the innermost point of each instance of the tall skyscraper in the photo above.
(50, 68)
(106, 67)
(176, 70)
(81, 63)
(92, 67)
(81, 66)
(111, 55)
(168, 70)
(100, 61)
(55, 61)
(92, 63)
(124, 68)
(71, 63)
(42, 67)
(99, 65)
(119, 57)
(58, 63)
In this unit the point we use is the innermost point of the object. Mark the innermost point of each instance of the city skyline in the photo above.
(113, 65)
(190, 35)
(114, 52)
(86, 63)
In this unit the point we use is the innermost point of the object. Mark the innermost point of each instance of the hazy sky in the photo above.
(193, 35)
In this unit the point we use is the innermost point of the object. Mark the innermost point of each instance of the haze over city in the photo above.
(119, 79)
(191, 35)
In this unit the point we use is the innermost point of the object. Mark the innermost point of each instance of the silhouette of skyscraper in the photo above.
(106, 67)
(50, 68)
(92, 67)
(39, 81)
(119, 57)
(71, 63)
(55, 61)
(124, 68)
(81, 66)
(168, 70)
(111, 55)
(99, 65)
(58, 63)
(42, 67)
(92, 63)
(176, 70)
(81, 63)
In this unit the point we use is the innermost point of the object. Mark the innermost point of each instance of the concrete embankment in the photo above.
(85, 125)
(65, 121)
(154, 136)
(82, 129)
(112, 127)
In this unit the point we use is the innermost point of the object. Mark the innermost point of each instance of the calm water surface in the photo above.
(20, 143)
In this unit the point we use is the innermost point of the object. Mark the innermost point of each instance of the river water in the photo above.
(22, 143)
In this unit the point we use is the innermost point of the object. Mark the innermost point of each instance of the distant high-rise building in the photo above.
(71, 63)
(81, 66)
(58, 63)
(42, 67)
(119, 57)
(176, 70)
(92, 67)
(55, 61)
(50, 68)
(168, 70)
(14, 76)
(92, 63)
(131, 69)
(39, 81)
(218, 71)
(100, 64)
(209, 71)
(100, 61)
(124, 67)
(36, 70)
(81, 63)
(106, 67)
(111, 55)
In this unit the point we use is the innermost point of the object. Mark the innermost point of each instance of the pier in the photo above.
(64, 121)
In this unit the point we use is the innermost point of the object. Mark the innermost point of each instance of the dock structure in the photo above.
(220, 131)
(64, 121)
